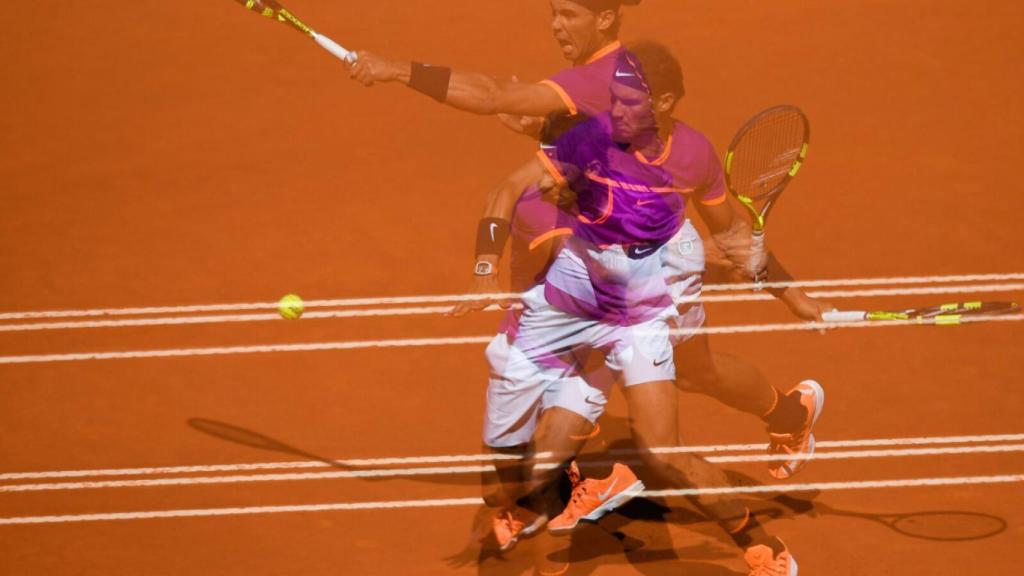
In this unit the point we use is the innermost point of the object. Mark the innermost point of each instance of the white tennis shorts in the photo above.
(538, 362)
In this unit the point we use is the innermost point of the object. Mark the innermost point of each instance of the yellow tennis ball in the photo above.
(290, 307)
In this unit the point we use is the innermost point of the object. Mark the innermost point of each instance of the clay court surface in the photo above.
(165, 154)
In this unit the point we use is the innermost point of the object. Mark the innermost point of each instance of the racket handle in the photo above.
(757, 257)
(843, 316)
(334, 48)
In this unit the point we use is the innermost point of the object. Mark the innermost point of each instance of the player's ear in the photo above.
(665, 103)
(606, 20)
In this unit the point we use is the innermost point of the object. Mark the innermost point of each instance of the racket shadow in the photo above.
(934, 525)
(245, 437)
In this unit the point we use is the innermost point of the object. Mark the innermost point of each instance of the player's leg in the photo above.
(536, 404)
(653, 415)
(730, 379)
(513, 405)
(737, 383)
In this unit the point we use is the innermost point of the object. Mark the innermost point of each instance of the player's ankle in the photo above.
(788, 415)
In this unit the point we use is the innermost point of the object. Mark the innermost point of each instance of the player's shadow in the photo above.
(637, 533)
(253, 439)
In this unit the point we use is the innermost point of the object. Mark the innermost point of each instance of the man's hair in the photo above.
(598, 6)
(661, 70)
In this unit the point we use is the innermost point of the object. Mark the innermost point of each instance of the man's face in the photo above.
(632, 113)
(575, 29)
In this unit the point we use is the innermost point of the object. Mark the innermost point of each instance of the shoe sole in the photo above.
(607, 506)
(819, 404)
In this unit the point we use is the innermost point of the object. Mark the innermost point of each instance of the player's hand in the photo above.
(736, 246)
(370, 69)
(803, 306)
(482, 285)
(526, 125)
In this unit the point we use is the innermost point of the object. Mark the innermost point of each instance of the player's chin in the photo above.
(622, 134)
(569, 50)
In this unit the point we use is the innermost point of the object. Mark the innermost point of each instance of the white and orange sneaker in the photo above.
(763, 561)
(593, 498)
(798, 445)
(511, 524)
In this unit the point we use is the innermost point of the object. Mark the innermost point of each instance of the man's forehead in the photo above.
(623, 92)
(569, 6)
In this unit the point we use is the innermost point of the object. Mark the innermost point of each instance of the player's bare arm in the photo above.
(492, 233)
(464, 90)
(732, 235)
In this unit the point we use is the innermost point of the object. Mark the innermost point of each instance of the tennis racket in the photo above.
(943, 314)
(272, 9)
(763, 157)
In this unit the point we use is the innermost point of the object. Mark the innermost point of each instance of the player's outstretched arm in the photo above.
(464, 90)
(492, 233)
(732, 235)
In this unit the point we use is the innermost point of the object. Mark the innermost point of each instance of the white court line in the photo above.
(453, 341)
(422, 310)
(451, 502)
(457, 458)
(337, 303)
(452, 470)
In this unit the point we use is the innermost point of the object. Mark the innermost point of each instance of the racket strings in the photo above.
(766, 152)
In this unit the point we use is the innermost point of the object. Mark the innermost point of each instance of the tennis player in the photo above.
(481, 94)
(632, 172)
(587, 33)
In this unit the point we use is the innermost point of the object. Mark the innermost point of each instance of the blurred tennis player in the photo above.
(631, 172)
(586, 32)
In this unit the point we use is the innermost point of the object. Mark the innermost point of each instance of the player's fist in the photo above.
(486, 287)
(370, 68)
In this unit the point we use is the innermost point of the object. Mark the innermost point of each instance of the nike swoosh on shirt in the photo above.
(659, 363)
(604, 495)
(643, 202)
(642, 251)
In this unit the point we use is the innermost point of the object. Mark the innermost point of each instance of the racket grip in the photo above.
(757, 256)
(334, 48)
(843, 316)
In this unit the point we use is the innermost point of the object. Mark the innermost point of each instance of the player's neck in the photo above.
(652, 144)
(600, 46)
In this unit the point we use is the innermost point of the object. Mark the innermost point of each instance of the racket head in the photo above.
(265, 7)
(765, 154)
(951, 312)
(948, 525)
(273, 9)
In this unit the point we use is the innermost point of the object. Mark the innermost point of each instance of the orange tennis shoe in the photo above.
(593, 498)
(511, 524)
(798, 445)
(763, 561)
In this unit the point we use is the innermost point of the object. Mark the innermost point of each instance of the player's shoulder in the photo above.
(684, 132)
(690, 141)
(563, 128)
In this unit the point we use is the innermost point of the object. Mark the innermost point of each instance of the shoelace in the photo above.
(512, 522)
(578, 492)
(789, 442)
(773, 567)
